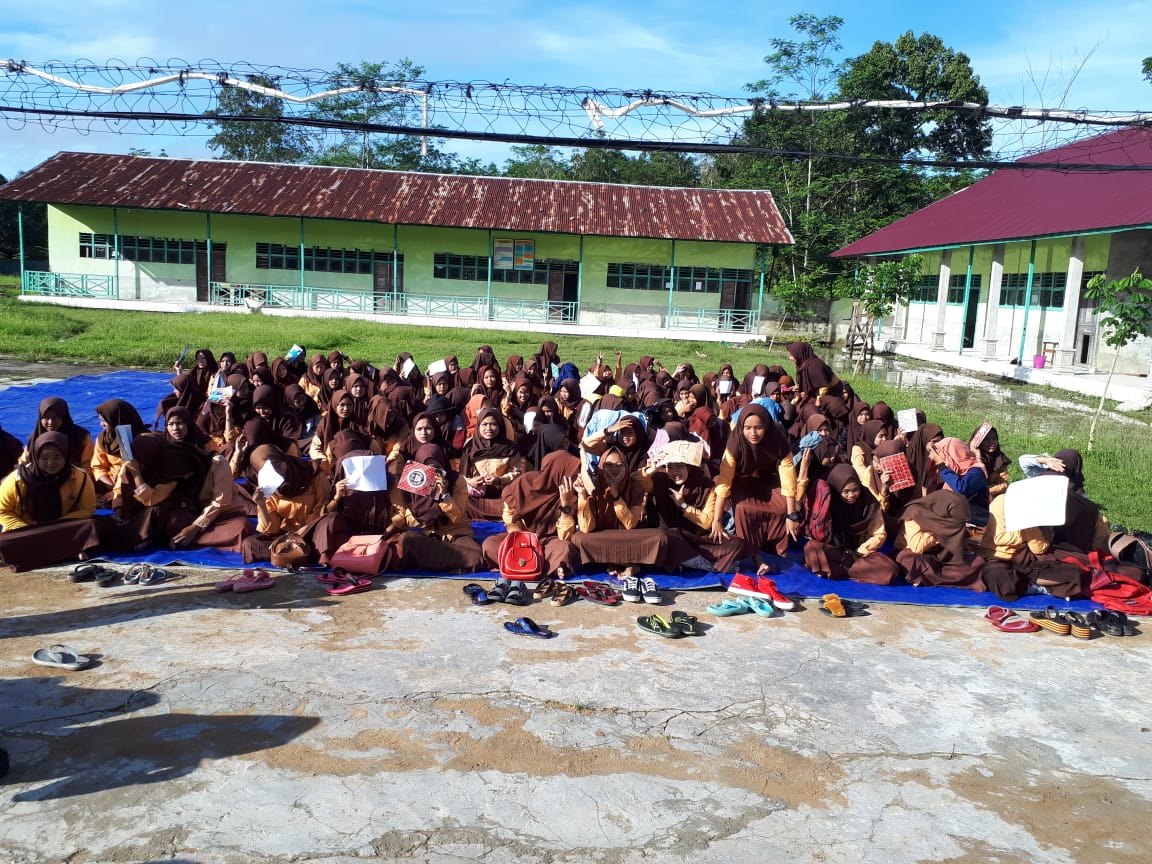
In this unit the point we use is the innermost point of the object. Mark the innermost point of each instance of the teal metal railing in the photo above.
(727, 320)
(69, 285)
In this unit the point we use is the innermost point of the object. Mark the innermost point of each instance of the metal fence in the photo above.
(69, 285)
(729, 320)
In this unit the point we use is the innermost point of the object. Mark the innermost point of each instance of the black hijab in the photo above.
(117, 412)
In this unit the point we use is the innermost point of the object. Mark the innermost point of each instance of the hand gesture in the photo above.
(341, 489)
(718, 534)
(677, 493)
(567, 489)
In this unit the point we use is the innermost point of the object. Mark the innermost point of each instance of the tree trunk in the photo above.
(1103, 396)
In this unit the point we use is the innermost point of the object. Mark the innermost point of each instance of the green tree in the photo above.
(882, 286)
(35, 229)
(262, 140)
(1124, 310)
(537, 162)
(1147, 68)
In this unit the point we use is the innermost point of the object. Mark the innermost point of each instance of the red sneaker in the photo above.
(744, 584)
(767, 588)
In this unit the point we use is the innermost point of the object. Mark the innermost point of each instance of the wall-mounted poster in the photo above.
(525, 254)
(502, 254)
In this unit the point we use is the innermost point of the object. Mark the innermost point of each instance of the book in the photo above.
(681, 453)
(417, 478)
(294, 353)
(124, 439)
(896, 466)
(980, 435)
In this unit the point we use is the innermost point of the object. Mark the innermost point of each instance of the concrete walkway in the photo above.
(1134, 389)
(406, 724)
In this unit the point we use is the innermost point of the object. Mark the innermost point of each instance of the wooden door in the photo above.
(219, 268)
(386, 291)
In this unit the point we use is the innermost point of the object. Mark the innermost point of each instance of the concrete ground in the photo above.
(406, 724)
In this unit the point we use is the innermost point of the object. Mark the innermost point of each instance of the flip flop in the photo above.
(762, 607)
(685, 622)
(544, 588)
(84, 572)
(734, 605)
(659, 625)
(351, 585)
(1008, 621)
(230, 583)
(516, 594)
(61, 657)
(528, 627)
(479, 595)
(562, 593)
(107, 577)
(1083, 626)
(1051, 619)
(1112, 623)
(259, 582)
(333, 577)
(599, 592)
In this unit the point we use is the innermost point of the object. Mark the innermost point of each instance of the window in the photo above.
(149, 250)
(277, 256)
(1047, 289)
(474, 268)
(928, 288)
(655, 277)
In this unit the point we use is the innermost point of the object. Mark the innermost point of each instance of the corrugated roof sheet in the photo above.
(396, 197)
(1015, 204)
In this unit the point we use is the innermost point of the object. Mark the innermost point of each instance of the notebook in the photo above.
(897, 467)
(417, 478)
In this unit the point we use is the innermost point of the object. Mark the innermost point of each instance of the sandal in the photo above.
(837, 607)
(1083, 626)
(84, 572)
(61, 657)
(685, 622)
(107, 577)
(351, 585)
(600, 593)
(562, 593)
(477, 594)
(261, 580)
(659, 625)
(1052, 619)
(516, 595)
(335, 577)
(1110, 623)
(731, 606)
(230, 583)
(528, 627)
(1007, 621)
(544, 588)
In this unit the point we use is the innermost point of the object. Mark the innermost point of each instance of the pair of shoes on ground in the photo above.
(245, 581)
(98, 573)
(61, 657)
(146, 574)
(741, 605)
(600, 593)
(675, 626)
(761, 587)
(340, 582)
(556, 591)
(513, 592)
(637, 588)
(835, 606)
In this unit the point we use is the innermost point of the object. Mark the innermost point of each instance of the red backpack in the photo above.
(520, 557)
(1124, 595)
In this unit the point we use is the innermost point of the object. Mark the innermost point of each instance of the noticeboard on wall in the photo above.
(503, 252)
(525, 255)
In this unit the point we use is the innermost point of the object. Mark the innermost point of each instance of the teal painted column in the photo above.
(20, 237)
(115, 254)
(395, 269)
(1027, 302)
(208, 252)
(488, 299)
(671, 285)
(303, 289)
(580, 279)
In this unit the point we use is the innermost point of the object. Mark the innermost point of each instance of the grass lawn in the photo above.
(1119, 470)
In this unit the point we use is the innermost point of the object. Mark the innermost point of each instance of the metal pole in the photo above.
(671, 284)
(396, 268)
(1027, 302)
(488, 301)
(208, 252)
(303, 290)
(579, 279)
(116, 254)
(20, 234)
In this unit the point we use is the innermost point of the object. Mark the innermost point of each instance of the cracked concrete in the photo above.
(405, 724)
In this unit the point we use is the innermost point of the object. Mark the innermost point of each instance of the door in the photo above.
(1085, 332)
(557, 294)
(971, 309)
(386, 296)
(219, 268)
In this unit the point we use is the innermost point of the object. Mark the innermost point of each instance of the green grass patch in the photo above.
(1119, 470)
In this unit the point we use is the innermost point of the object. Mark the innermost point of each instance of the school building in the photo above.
(1007, 259)
(555, 256)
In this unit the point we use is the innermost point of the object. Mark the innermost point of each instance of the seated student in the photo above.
(1016, 563)
(349, 512)
(313, 380)
(298, 502)
(918, 450)
(879, 482)
(758, 476)
(54, 416)
(268, 405)
(856, 533)
(445, 542)
(204, 368)
(933, 543)
(490, 462)
(341, 415)
(543, 502)
(682, 502)
(184, 394)
(609, 516)
(1085, 527)
(387, 431)
(520, 400)
(46, 508)
(304, 412)
(961, 471)
(176, 493)
(106, 457)
(872, 434)
(996, 464)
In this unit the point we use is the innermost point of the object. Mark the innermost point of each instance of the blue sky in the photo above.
(1022, 51)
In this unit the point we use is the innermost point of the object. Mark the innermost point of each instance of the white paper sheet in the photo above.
(529, 420)
(437, 366)
(906, 418)
(268, 480)
(724, 387)
(407, 367)
(1036, 501)
(758, 385)
(366, 473)
(588, 385)
(682, 452)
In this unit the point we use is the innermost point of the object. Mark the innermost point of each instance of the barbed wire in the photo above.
(176, 97)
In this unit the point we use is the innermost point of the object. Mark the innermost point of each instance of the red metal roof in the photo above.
(395, 197)
(1017, 203)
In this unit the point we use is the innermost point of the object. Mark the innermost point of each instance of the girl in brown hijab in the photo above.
(490, 462)
(184, 393)
(682, 502)
(46, 508)
(340, 416)
(313, 380)
(106, 456)
(54, 416)
(933, 543)
(857, 532)
(293, 507)
(349, 512)
(520, 400)
(920, 459)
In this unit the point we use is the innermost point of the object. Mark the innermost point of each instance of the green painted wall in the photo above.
(418, 245)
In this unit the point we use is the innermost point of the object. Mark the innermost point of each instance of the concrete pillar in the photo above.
(1066, 350)
(942, 299)
(992, 303)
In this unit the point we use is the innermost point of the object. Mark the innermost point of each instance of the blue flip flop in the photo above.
(731, 606)
(528, 627)
(479, 595)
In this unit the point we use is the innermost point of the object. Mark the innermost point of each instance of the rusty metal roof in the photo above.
(405, 198)
(1022, 203)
